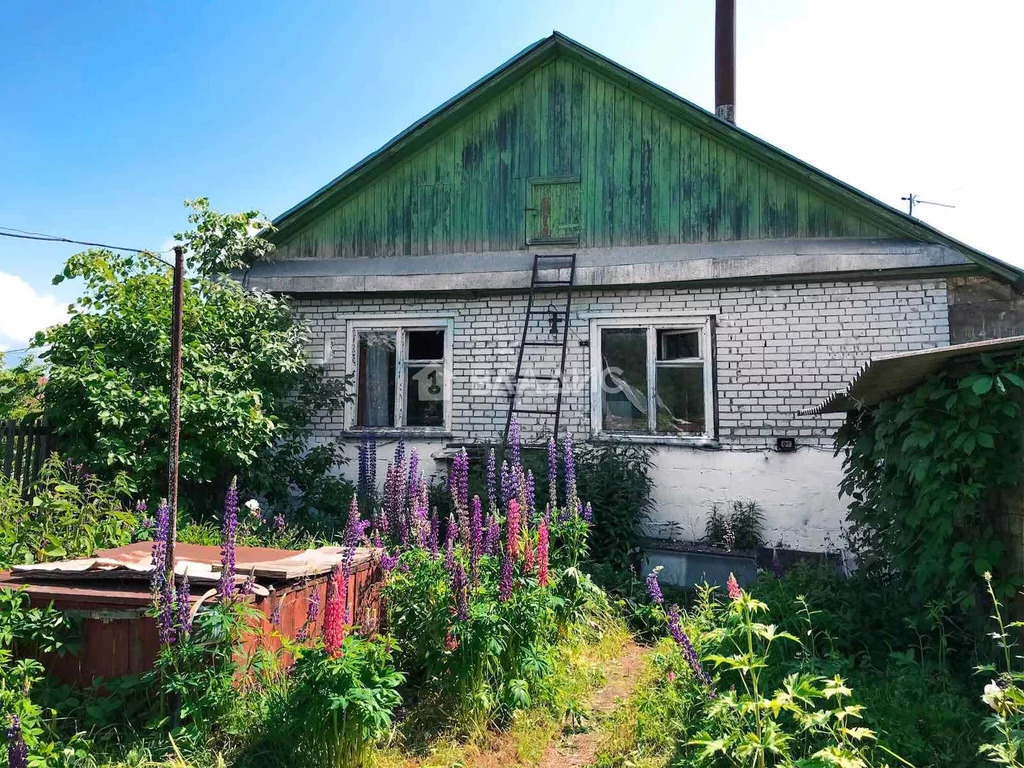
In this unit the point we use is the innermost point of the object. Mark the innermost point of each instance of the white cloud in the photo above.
(23, 311)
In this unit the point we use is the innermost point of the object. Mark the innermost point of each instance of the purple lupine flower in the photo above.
(505, 579)
(17, 750)
(363, 475)
(542, 552)
(371, 465)
(459, 607)
(249, 585)
(514, 443)
(508, 489)
(275, 615)
(572, 500)
(552, 473)
(228, 534)
(167, 614)
(400, 452)
(312, 614)
(588, 513)
(159, 552)
(279, 523)
(388, 522)
(413, 484)
(531, 496)
(654, 588)
(519, 479)
(476, 536)
(492, 499)
(675, 629)
(458, 480)
(493, 539)
(434, 541)
(388, 562)
(184, 607)
(451, 532)
(449, 555)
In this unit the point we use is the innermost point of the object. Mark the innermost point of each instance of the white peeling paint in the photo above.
(798, 493)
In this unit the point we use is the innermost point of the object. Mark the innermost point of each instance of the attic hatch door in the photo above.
(553, 215)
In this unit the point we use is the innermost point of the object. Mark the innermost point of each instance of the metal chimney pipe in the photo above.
(725, 60)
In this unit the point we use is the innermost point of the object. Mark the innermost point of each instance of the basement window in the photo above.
(402, 373)
(652, 377)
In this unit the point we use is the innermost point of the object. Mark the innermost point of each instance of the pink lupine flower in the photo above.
(512, 532)
(542, 552)
(451, 642)
(334, 614)
(528, 560)
(735, 593)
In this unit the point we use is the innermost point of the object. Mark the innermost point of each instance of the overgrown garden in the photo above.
(511, 586)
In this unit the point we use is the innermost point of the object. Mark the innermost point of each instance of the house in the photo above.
(721, 286)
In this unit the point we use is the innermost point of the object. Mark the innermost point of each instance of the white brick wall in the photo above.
(779, 348)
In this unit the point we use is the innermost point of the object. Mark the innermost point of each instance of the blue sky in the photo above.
(115, 112)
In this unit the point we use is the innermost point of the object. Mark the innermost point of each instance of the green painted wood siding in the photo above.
(646, 176)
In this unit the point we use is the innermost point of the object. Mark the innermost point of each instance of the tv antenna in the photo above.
(912, 200)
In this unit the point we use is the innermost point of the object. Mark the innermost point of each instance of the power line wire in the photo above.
(22, 234)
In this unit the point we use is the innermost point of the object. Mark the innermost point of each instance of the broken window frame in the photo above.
(651, 324)
(401, 326)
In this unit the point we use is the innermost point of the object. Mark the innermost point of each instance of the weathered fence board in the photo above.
(24, 447)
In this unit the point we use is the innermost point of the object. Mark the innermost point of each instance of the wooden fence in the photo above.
(24, 446)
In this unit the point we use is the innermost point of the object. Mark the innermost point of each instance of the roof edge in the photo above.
(829, 185)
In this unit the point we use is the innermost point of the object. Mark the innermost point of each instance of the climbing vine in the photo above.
(924, 472)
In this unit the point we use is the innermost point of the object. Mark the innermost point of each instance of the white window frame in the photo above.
(652, 324)
(401, 325)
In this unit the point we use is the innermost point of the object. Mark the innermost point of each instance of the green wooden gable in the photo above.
(563, 146)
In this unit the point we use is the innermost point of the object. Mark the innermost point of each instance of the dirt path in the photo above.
(577, 750)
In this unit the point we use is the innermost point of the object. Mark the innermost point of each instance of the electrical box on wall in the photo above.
(785, 444)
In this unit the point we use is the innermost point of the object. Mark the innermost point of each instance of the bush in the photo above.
(741, 528)
(924, 471)
(616, 480)
(70, 513)
(338, 705)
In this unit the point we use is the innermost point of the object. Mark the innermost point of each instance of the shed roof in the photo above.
(892, 375)
(557, 44)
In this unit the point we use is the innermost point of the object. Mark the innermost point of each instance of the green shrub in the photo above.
(616, 480)
(923, 472)
(70, 513)
(337, 706)
(742, 527)
(25, 630)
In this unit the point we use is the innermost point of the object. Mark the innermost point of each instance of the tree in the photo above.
(248, 391)
(21, 389)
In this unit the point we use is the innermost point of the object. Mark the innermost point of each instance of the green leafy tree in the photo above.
(248, 391)
(21, 389)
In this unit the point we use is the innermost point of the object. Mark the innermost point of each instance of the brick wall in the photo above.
(779, 348)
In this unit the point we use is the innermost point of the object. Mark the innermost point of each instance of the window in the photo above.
(402, 372)
(652, 376)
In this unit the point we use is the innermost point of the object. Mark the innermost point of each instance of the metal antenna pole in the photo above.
(174, 408)
(911, 199)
